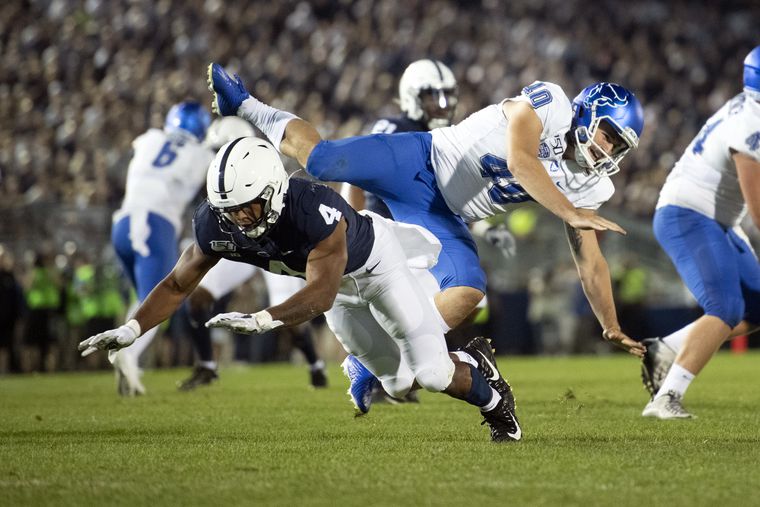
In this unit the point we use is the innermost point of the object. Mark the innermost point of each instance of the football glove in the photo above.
(113, 339)
(228, 92)
(245, 323)
(500, 237)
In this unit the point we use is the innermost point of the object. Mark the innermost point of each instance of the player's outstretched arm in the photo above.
(523, 138)
(597, 285)
(163, 300)
(324, 274)
(289, 134)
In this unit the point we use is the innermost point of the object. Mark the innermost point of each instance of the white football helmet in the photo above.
(244, 172)
(226, 129)
(428, 92)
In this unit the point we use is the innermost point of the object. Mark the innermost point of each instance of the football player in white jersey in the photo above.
(536, 146)
(227, 276)
(705, 197)
(167, 170)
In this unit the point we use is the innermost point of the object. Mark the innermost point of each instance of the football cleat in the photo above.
(480, 350)
(655, 364)
(228, 92)
(318, 378)
(127, 374)
(362, 381)
(201, 376)
(503, 423)
(667, 407)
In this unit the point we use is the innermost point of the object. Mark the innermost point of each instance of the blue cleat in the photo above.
(228, 93)
(362, 381)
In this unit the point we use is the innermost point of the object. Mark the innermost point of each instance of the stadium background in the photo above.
(80, 79)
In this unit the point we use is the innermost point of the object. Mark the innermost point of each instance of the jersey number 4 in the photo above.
(505, 189)
(330, 215)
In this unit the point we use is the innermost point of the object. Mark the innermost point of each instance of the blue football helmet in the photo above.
(752, 74)
(188, 117)
(616, 106)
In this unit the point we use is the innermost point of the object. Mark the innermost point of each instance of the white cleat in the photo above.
(127, 374)
(667, 407)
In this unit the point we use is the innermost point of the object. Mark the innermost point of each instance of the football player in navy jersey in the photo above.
(356, 270)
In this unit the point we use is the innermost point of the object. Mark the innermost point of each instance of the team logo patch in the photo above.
(223, 246)
(753, 141)
(543, 151)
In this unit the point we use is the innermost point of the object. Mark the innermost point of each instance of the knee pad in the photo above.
(436, 379)
(398, 387)
(730, 310)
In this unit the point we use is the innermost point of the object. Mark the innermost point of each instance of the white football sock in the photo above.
(677, 380)
(465, 357)
(495, 399)
(209, 365)
(675, 340)
(271, 121)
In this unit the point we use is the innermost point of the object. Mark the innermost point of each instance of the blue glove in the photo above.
(228, 93)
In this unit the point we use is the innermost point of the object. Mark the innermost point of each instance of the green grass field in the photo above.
(261, 437)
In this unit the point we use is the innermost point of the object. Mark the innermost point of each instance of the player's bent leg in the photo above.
(455, 304)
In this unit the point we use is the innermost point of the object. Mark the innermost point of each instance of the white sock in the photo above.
(269, 120)
(675, 340)
(495, 399)
(677, 380)
(318, 365)
(465, 357)
(209, 365)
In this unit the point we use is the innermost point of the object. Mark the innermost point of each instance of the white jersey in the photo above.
(470, 158)
(164, 175)
(705, 178)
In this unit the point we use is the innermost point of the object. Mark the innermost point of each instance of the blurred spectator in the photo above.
(11, 307)
(43, 300)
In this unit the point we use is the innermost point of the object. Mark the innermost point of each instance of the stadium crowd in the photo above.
(79, 80)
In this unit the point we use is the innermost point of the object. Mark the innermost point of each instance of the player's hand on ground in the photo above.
(229, 92)
(586, 221)
(113, 339)
(620, 339)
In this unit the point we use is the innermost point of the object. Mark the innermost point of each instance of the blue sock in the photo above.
(480, 392)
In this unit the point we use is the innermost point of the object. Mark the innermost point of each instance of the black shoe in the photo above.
(655, 364)
(318, 378)
(503, 423)
(201, 376)
(480, 349)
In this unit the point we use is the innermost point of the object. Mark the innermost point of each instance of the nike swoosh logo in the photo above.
(558, 185)
(370, 270)
(495, 376)
(517, 434)
(287, 252)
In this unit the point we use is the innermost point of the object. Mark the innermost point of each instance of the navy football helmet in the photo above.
(752, 74)
(618, 108)
(188, 117)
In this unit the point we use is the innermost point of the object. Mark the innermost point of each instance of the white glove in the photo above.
(500, 237)
(245, 323)
(113, 339)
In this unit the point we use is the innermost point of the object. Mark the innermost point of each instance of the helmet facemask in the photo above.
(257, 226)
(591, 156)
(438, 106)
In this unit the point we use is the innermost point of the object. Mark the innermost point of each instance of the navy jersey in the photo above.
(390, 126)
(310, 214)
